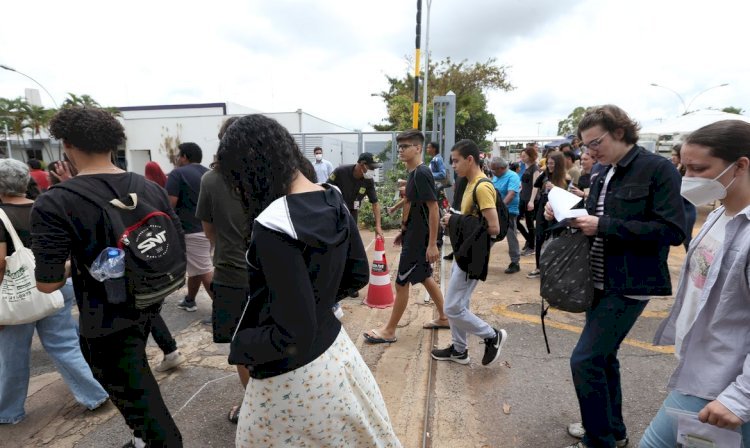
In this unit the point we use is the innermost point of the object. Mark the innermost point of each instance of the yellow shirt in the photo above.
(485, 196)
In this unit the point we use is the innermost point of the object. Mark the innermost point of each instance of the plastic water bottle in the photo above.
(109, 268)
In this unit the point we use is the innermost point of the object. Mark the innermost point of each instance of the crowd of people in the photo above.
(241, 228)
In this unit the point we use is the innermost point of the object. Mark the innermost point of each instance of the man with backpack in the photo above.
(107, 213)
(471, 233)
(508, 185)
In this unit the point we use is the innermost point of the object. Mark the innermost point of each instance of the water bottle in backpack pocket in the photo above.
(109, 268)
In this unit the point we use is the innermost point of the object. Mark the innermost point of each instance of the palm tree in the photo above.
(19, 112)
(85, 100)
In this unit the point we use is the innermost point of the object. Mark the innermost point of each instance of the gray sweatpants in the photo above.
(461, 319)
(513, 249)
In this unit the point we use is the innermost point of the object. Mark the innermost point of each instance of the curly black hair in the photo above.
(89, 129)
(259, 157)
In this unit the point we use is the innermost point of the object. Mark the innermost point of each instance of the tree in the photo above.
(570, 124)
(84, 100)
(733, 110)
(470, 83)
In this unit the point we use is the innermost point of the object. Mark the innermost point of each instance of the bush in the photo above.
(386, 190)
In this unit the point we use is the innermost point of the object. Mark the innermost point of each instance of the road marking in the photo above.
(503, 310)
(646, 314)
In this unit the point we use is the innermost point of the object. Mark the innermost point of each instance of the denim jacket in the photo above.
(643, 216)
(715, 354)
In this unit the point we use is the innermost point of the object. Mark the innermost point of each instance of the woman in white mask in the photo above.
(710, 320)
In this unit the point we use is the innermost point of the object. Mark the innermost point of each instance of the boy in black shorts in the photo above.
(419, 228)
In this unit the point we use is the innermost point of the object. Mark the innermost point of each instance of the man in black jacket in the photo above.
(635, 214)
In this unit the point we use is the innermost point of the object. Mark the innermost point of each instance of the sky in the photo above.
(327, 57)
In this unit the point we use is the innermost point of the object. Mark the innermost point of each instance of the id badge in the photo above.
(356, 205)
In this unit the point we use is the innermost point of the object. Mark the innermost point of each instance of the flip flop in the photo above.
(234, 414)
(377, 339)
(435, 325)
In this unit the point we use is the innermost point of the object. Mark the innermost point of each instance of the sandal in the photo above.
(234, 414)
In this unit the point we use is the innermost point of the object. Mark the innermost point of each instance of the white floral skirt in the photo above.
(333, 401)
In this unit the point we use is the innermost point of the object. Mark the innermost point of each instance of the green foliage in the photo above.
(470, 83)
(22, 117)
(570, 124)
(386, 198)
(733, 110)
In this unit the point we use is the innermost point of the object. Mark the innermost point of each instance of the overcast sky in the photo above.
(327, 56)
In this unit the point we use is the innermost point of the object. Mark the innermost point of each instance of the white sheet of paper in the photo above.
(691, 433)
(562, 201)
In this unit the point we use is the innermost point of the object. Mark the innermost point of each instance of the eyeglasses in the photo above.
(404, 145)
(594, 144)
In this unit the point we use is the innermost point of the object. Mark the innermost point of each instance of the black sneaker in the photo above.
(493, 345)
(534, 274)
(187, 305)
(513, 268)
(450, 354)
(354, 295)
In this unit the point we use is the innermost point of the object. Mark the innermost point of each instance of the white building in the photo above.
(154, 132)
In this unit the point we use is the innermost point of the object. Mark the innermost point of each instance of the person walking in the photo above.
(470, 233)
(323, 168)
(708, 321)
(508, 184)
(309, 385)
(526, 215)
(635, 214)
(66, 225)
(58, 332)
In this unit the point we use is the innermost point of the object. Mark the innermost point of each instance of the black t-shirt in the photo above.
(353, 189)
(184, 183)
(420, 189)
(19, 215)
(527, 181)
(65, 225)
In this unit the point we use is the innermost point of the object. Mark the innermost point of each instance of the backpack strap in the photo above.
(107, 197)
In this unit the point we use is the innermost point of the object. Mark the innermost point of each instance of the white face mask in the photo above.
(318, 157)
(701, 191)
(369, 175)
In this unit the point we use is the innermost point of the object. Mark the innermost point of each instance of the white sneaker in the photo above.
(576, 430)
(170, 361)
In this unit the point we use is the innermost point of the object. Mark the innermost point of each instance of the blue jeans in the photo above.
(59, 336)
(596, 370)
(463, 321)
(662, 432)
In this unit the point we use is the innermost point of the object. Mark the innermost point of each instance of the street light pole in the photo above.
(686, 108)
(710, 88)
(11, 69)
(426, 70)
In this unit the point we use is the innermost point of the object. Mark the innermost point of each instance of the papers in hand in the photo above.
(691, 433)
(562, 203)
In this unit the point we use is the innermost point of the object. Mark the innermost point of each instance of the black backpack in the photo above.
(565, 271)
(154, 247)
(503, 215)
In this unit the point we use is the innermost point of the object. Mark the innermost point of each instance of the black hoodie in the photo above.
(305, 254)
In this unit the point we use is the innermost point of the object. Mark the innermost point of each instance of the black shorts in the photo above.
(413, 266)
(229, 302)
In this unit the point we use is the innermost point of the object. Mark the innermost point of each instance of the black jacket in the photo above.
(305, 254)
(643, 216)
(471, 244)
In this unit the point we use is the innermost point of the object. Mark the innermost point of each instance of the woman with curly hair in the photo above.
(309, 385)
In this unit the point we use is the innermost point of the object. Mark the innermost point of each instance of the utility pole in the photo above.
(418, 56)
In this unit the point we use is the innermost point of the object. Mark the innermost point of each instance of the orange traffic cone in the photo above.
(379, 293)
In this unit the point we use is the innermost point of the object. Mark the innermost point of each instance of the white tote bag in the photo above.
(20, 301)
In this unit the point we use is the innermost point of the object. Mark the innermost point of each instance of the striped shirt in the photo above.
(597, 248)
